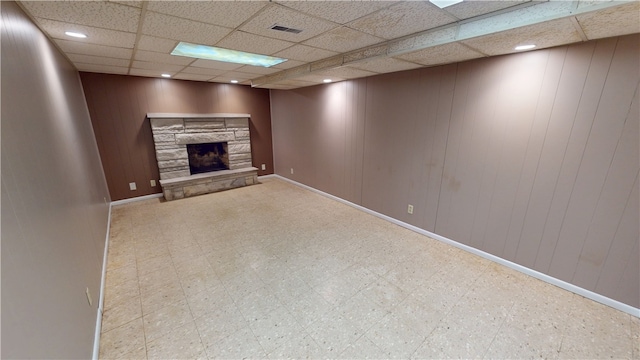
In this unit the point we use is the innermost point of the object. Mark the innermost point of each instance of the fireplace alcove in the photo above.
(206, 157)
(219, 145)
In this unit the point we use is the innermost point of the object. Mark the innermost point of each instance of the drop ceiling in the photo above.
(339, 39)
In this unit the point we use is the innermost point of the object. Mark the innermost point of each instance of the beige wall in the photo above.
(54, 216)
(532, 157)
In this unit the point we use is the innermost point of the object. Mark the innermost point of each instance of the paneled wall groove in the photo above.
(531, 157)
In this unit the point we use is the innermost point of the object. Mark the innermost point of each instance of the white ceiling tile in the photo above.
(224, 13)
(435, 37)
(146, 72)
(170, 27)
(345, 72)
(74, 47)
(513, 19)
(162, 58)
(621, 20)
(232, 75)
(98, 60)
(340, 12)
(384, 65)
(202, 71)
(288, 64)
(304, 53)
(543, 35)
(168, 68)
(156, 44)
(441, 54)
(257, 70)
(56, 29)
(343, 39)
(280, 15)
(218, 65)
(101, 14)
(402, 19)
(102, 69)
(252, 43)
(470, 8)
(194, 77)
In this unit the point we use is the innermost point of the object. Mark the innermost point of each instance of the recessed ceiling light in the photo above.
(525, 47)
(75, 34)
(326, 80)
(226, 55)
(444, 3)
(166, 75)
(234, 81)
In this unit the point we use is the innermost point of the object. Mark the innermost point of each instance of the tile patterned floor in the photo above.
(275, 271)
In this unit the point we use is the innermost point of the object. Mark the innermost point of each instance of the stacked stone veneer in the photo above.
(172, 133)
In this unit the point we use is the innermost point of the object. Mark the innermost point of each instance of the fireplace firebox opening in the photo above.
(207, 157)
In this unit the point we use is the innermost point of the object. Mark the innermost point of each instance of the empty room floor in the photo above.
(277, 271)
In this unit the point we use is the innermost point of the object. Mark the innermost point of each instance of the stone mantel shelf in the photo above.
(195, 117)
(212, 174)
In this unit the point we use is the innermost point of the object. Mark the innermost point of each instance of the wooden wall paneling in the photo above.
(450, 184)
(518, 101)
(440, 140)
(582, 124)
(492, 121)
(544, 106)
(471, 153)
(625, 293)
(617, 96)
(611, 204)
(570, 86)
(621, 253)
(358, 127)
(375, 186)
(350, 141)
(423, 146)
(407, 146)
(507, 140)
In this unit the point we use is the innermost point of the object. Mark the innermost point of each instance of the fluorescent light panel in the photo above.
(225, 55)
(444, 3)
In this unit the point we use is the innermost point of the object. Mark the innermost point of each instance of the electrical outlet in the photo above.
(89, 297)
(132, 186)
(153, 183)
(410, 209)
(292, 170)
(264, 167)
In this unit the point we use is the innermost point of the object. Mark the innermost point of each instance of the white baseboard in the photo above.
(270, 176)
(139, 198)
(96, 338)
(536, 274)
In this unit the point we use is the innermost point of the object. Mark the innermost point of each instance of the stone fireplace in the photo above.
(202, 153)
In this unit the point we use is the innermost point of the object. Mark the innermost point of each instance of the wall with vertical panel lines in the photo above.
(532, 157)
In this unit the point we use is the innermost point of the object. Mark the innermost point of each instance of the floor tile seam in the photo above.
(502, 325)
(363, 335)
(306, 335)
